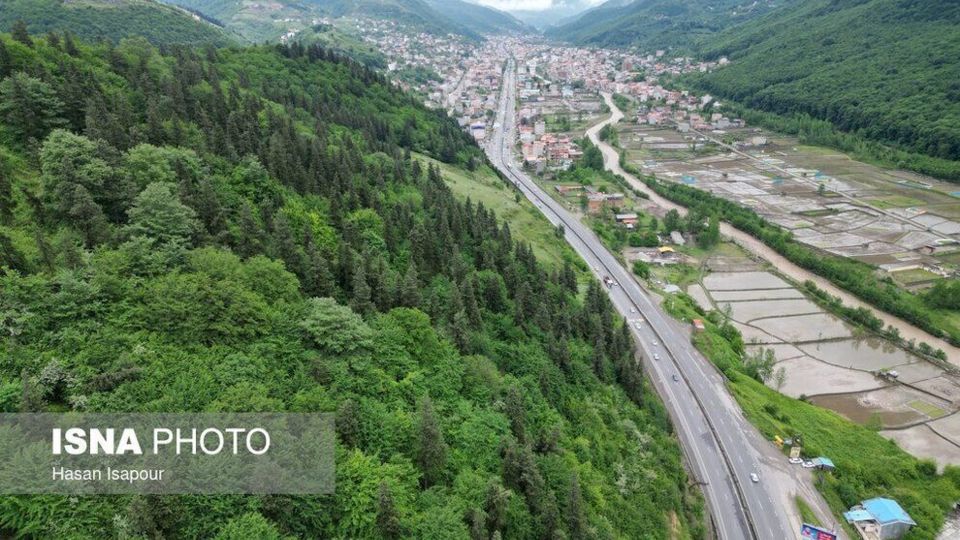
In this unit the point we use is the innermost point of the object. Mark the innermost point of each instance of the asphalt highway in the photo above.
(722, 449)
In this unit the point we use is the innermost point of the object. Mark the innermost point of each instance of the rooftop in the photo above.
(887, 511)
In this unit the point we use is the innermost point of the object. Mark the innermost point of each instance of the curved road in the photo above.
(611, 159)
(722, 448)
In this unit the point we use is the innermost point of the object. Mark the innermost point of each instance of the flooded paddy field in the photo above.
(761, 294)
(699, 295)
(742, 281)
(752, 334)
(948, 427)
(781, 351)
(807, 376)
(751, 310)
(880, 216)
(891, 406)
(835, 365)
(804, 328)
(867, 354)
(922, 440)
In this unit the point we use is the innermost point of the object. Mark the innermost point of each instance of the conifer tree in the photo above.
(576, 518)
(431, 452)
(388, 521)
(20, 33)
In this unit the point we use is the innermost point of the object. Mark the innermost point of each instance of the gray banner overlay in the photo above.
(167, 453)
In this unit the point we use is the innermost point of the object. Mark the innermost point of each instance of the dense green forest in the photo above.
(112, 20)
(884, 70)
(658, 24)
(254, 230)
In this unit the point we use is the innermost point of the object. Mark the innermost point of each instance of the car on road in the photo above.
(654, 343)
(675, 378)
(657, 357)
(796, 460)
(754, 477)
(636, 325)
(633, 310)
(808, 465)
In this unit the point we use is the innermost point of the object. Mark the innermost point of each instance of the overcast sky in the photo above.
(537, 5)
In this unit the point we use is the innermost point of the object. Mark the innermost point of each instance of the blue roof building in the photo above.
(824, 463)
(880, 518)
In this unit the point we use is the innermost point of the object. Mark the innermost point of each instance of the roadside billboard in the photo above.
(811, 532)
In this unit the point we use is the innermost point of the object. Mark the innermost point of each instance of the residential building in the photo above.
(879, 519)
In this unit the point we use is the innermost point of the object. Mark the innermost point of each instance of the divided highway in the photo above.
(721, 447)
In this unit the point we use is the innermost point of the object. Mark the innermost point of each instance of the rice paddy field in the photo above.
(833, 364)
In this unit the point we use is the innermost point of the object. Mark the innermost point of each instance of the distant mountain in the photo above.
(268, 20)
(560, 12)
(659, 24)
(477, 18)
(888, 70)
(113, 20)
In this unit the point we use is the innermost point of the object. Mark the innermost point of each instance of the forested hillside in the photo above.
(658, 24)
(112, 20)
(254, 230)
(477, 18)
(886, 70)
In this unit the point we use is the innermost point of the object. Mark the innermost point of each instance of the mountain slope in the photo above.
(888, 70)
(658, 24)
(267, 21)
(112, 20)
(477, 18)
(559, 11)
(416, 13)
(268, 229)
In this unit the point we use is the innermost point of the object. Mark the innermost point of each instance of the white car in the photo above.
(754, 477)
(655, 343)
(636, 325)
(808, 465)
(796, 460)
(656, 356)
(633, 310)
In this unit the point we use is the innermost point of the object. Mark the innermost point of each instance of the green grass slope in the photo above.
(887, 70)
(267, 229)
(112, 20)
